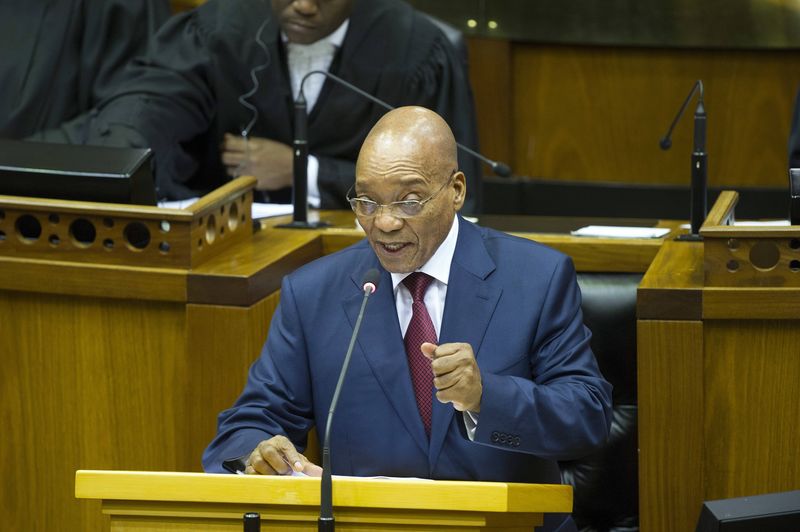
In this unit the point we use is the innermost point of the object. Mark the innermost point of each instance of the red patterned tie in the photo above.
(420, 329)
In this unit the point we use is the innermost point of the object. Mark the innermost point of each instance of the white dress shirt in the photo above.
(302, 59)
(438, 267)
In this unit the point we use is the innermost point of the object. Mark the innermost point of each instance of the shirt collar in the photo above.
(336, 38)
(438, 266)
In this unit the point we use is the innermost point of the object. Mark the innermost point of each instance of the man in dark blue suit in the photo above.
(512, 385)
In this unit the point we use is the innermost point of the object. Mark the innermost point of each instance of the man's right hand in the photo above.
(277, 456)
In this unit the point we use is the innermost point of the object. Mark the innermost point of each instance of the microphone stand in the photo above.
(300, 145)
(698, 206)
(300, 168)
(326, 522)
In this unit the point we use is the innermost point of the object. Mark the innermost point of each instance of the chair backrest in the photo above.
(606, 485)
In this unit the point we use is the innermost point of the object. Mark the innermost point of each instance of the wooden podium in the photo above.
(152, 502)
(719, 368)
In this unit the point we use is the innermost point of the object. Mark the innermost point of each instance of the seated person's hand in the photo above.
(270, 162)
(277, 456)
(456, 375)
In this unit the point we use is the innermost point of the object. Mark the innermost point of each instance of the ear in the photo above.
(460, 188)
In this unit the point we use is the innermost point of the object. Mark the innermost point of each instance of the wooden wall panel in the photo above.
(670, 384)
(71, 367)
(752, 410)
(490, 76)
(224, 342)
(594, 113)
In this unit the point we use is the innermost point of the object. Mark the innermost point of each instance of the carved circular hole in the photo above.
(108, 222)
(199, 243)
(137, 235)
(108, 244)
(2, 215)
(233, 217)
(28, 228)
(211, 229)
(164, 226)
(733, 244)
(54, 219)
(2, 236)
(164, 247)
(733, 266)
(244, 217)
(82, 232)
(794, 265)
(794, 243)
(765, 255)
(222, 230)
(54, 240)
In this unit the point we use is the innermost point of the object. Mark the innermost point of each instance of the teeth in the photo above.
(393, 247)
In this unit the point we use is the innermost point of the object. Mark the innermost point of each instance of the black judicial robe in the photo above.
(58, 59)
(186, 95)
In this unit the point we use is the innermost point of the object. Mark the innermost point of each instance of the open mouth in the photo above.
(393, 247)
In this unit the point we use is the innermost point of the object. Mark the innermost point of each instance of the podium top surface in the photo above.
(411, 494)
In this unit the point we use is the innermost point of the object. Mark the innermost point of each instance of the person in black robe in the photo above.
(59, 59)
(197, 84)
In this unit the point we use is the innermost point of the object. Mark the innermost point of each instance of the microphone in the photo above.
(300, 168)
(794, 196)
(251, 522)
(326, 522)
(301, 155)
(699, 174)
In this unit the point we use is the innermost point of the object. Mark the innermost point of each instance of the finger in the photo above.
(446, 381)
(292, 458)
(428, 349)
(230, 158)
(234, 143)
(259, 464)
(311, 469)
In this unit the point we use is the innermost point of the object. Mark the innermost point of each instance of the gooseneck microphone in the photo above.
(326, 522)
(300, 145)
(699, 207)
(300, 167)
(500, 169)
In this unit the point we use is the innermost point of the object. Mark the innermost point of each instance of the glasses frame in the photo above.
(394, 208)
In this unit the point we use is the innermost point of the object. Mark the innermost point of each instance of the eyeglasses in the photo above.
(399, 209)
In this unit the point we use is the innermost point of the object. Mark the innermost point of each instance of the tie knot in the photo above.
(417, 283)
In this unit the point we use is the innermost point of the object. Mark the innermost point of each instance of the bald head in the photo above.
(411, 135)
(409, 157)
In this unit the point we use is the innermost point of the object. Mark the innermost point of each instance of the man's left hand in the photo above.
(270, 162)
(456, 375)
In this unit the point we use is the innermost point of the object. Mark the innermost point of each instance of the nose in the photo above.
(386, 222)
(306, 7)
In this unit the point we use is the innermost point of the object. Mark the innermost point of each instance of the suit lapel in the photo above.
(381, 344)
(470, 304)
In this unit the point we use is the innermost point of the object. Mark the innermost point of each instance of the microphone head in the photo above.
(666, 143)
(369, 282)
(501, 169)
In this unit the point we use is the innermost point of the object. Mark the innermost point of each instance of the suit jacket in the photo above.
(188, 93)
(515, 301)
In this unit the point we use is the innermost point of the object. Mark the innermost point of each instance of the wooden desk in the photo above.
(719, 375)
(112, 365)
